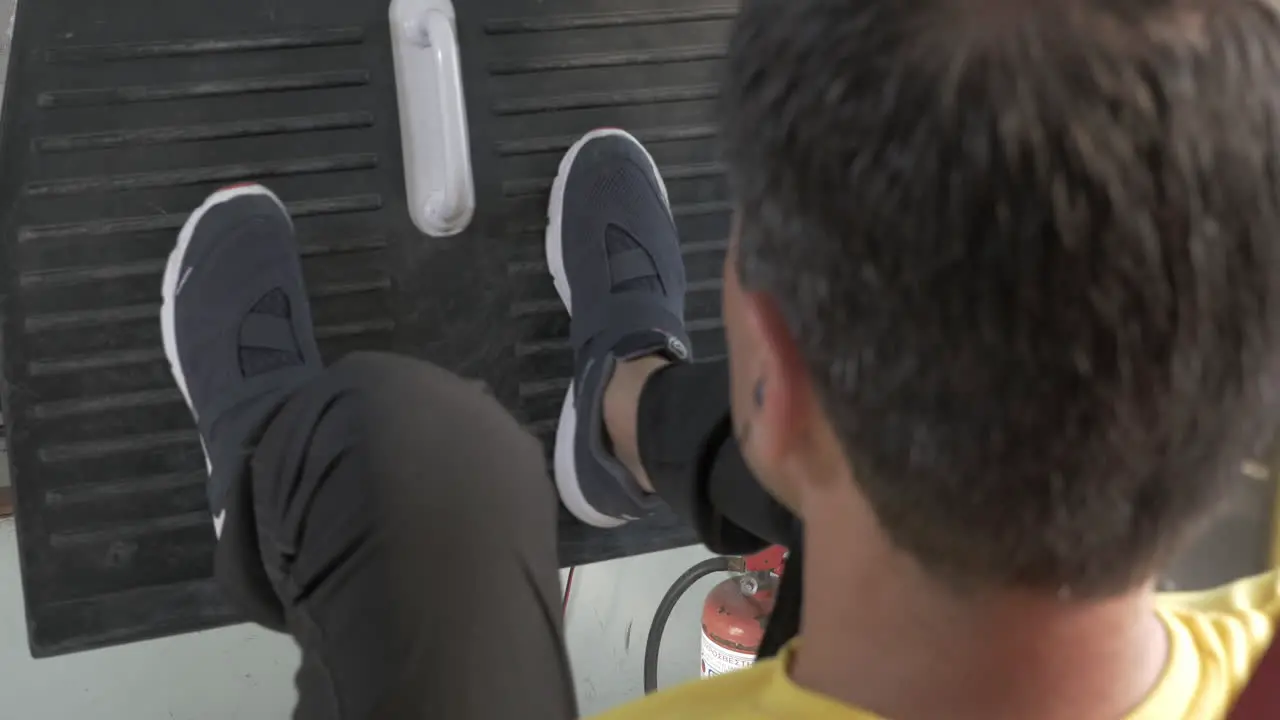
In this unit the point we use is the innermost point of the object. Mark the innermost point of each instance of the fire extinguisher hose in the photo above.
(663, 613)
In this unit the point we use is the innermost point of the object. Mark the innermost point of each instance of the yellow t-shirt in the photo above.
(1216, 637)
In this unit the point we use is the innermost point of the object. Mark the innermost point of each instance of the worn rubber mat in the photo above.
(120, 117)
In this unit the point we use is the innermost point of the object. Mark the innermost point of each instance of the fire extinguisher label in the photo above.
(718, 659)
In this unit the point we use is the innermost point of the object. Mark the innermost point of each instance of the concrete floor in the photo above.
(235, 673)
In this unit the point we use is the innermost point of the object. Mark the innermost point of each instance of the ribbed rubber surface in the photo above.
(119, 118)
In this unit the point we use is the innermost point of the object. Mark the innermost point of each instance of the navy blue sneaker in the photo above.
(236, 324)
(615, 257)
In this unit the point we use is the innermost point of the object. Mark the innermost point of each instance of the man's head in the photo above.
(1019, 261)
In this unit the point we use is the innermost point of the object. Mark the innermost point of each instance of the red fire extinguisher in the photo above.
(736, 611)
(734, 614)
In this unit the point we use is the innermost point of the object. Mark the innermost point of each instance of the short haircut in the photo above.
(1028, 250)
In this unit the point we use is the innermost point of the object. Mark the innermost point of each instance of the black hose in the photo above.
(663, 613)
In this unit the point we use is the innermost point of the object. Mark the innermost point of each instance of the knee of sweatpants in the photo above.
(441, 449)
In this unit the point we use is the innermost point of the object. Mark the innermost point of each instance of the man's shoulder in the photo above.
(1227, 627)
(732, 695)
(762, 691)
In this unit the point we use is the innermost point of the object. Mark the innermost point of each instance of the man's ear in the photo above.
(782, 392)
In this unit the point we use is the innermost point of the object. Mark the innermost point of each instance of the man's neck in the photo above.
(881, 636)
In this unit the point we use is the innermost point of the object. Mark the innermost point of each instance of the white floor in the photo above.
(239, 672)
(245, 672)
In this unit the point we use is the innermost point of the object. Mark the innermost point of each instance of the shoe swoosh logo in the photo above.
(577, 387)
(217, 522)
(183, 280)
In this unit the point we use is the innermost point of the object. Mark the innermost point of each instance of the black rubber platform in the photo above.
(120, 117)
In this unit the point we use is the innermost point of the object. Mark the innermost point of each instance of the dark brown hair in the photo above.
(1029, 252)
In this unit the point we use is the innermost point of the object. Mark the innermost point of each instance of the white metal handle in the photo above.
(433, 116)
(455, 200)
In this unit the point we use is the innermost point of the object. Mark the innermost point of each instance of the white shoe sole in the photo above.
(565, 469)
(169, 292)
